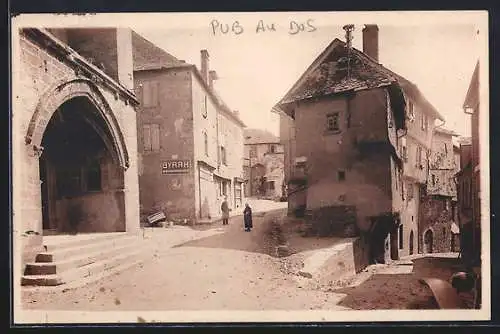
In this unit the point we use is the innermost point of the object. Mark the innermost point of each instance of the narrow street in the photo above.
(238, 270)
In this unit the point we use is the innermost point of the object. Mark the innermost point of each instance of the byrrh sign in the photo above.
(175, 166)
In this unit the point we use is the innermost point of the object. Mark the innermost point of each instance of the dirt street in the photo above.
(238, 270)
(227, 271)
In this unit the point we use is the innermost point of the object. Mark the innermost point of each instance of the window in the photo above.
(253, 151)
(405, 154)
(341, 175)
(270, 185)
(409, 191)
(445, 148)
(151, 137)
(94, 176)
(272, 148)
(419, 157)
(205, 142)
(389, 118)
(424, 121)
(223, 155)
(237, 194)
(204, 107)
(223, 188)
(433, 180)
(150, 94)
(69, 182)
(411, 111)
(333, 122)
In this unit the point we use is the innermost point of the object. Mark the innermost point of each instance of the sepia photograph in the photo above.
(250, 167)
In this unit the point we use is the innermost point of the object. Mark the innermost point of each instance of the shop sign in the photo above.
(176, 166)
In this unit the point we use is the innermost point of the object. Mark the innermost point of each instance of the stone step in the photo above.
(60, 254)
(63, 264)
(41, 280)
(127, 257)
(60, 242)
(99, 266)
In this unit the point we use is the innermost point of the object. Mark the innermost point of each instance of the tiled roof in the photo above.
(148, 56)
(330, 76)
(259, 136)
(446, 131)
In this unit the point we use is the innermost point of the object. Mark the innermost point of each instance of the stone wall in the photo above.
(172, 193)
(42, 81)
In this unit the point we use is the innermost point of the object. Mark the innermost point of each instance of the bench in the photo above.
(156, 218)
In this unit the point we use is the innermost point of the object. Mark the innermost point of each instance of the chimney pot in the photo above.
(370, 40)
(212, 76)
(205, 57)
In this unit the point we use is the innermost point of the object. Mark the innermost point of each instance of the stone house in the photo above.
(73, 134)
(438, 228)
(469, 176)
(190, 143)
(343, 125)
(265, 155)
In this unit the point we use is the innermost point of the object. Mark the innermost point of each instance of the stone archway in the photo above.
(63, 91)
(82, 160)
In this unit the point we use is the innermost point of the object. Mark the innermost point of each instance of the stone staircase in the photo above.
(72, 259)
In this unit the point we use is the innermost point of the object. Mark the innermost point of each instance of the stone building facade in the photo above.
(265, 173)
(345, 126)
(74, 134)
(190, 142)
(438, 228)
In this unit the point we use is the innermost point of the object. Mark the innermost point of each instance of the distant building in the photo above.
(190, 142)
(265, 155)
(438, 227)
(356, 138)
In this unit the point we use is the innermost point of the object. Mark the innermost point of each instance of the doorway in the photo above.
(428, 241)
(411, 243)
(81, 180)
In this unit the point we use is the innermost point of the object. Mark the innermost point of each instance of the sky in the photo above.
(256, 69)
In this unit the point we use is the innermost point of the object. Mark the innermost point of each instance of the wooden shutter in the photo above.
(155, 137)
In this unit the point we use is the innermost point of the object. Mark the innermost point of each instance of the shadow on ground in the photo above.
(401, 291)
(270, 230)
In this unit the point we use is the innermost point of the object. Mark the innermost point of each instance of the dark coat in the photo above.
(247, 216)
(225, 210)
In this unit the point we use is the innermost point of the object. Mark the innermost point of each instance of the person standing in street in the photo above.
(225, 212)
(247, 217)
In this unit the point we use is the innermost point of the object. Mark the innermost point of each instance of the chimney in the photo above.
(212, 76)
(204, 65)
(370, 40)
